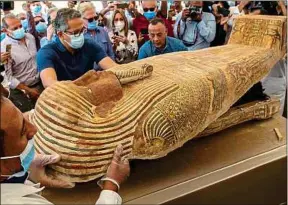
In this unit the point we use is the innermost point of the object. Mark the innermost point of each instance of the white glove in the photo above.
(38, 174)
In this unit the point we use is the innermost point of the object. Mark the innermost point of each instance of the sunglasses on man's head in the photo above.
(148, 9)
(92, 19)
(41, 20)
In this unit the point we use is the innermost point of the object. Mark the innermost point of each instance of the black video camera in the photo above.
(223, 11)
(195, 11)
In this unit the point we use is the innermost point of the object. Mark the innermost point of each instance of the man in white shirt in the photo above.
(17, 155)
(21, 69)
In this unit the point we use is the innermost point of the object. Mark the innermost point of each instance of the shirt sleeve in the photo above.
(207, 29)
(44, 59)
(31, 28)
(109, 197)
(181, 25)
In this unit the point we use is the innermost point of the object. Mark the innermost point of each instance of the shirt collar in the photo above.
(154, 49)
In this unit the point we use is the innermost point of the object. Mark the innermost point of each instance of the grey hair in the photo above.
(7, 16)
(85, 6)
(62, 18)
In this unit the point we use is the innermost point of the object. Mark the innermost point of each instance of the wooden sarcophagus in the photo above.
(159, 103)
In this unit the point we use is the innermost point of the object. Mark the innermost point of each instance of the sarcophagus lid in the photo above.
(153, 116)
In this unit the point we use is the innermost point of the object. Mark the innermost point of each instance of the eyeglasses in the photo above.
(76, 33)
(148, 9)
(22, 18)
(92, 19)
(41, 20)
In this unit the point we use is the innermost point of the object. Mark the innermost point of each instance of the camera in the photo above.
(195, 11)
(7, 5)
(223, 11)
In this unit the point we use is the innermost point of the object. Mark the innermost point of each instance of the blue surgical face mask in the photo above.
(149, 15)
(18, 34)
(24, 24)
(26, 158)
(41, 27)
(36, 9)
(76, 41)
(3, 35)
(92, 25)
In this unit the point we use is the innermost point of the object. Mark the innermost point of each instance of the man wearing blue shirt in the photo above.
(159, 42)
(70, 56)
(195, 28)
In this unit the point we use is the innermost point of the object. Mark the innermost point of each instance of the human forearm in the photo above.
(207, 31)
(107, 63)
(283, 8)
(48, 77)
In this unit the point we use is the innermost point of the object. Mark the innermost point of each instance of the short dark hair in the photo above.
(63, 16)
(155, 21)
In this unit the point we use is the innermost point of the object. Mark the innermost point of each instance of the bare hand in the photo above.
(119, 168)
(111, 7)
(185, 14)
(122, 39)
(50, 32)
(33, 93)
(140, 38)
(38, 174)
(5, 56)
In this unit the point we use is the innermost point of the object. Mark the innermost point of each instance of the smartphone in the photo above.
(144, 31)
(116, 33)
(122, 6)
(8, 48)
(223, 11)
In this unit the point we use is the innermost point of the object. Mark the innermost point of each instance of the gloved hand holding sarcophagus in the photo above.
(152, 114)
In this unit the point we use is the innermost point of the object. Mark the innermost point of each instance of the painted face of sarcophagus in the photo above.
(85, 120)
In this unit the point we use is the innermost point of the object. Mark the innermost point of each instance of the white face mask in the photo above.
(119, 25)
